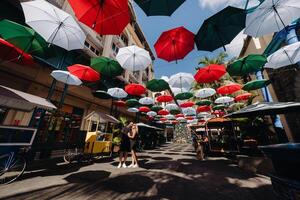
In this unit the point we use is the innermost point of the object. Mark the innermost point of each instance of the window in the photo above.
(124, 39)
(97, 52)
(115, 48)
(86, 44)
(92, 49)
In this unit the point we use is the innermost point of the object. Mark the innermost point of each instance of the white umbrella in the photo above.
(54, 25)
(133, 58)
(222, 100)
(205, 92)
(118, 93)
(133, 110)
(177, 90)
(189, 111)
(65, 77)
(272, 16)
(165, 78)
(181, 119)
(151, 113)
(181, 80)
(146, 101)
(285, 56)
(171, 106)
(193, 121)
(170, 117)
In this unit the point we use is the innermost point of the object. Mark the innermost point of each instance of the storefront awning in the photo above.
(101, 117)
(15, 99)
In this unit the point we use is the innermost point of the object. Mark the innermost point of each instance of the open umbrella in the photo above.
(146, 101)
(135, 89)
(210, 73)
(205, 92)
(161, 7)
(203, 109)
(184, 95)
(163, 112)
(65, 77)
(151, 113)
(9, 52)
(177, 90)
(107, 66)
(219, 107)
(174, 44)
(271, 16)
(133, 110)
(204, 102)
(170, 117)
(12, 10)
(84, 73)
(250, 64)
(156, 108)
(118, 93)
(144, 109)
(187, 104)
(23, 37)
(285, 56)
(229, 88)
(189, 111)
(157, 85)
(106, 17)
(119, 103)
(256, 84)
(181, 80)
(223, 100)
(54, 25)
(101, 94)
(164, 98)
(243, 97)
(220, 29)
(132, 102)
(171, 106)
(133, 58)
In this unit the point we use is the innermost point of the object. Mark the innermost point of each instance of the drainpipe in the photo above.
(292, 38)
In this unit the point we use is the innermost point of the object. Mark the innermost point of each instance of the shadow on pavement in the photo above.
(87, 176)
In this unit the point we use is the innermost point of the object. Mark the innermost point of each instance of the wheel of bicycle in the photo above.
(12, 166)
(70, 155)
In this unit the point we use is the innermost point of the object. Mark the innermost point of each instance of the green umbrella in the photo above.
(249, 64)
(101, 94)
(156, 108)
(220, 29)
(236, 106)
(174, 112)
(256, 84)
(159, 7)
(204, 102)
(107, 66)
(157, 85)
(23, 37)
(184, 95)
(132, 102)
(12, 10)
(219, 107)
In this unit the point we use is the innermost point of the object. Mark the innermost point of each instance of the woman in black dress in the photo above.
(125, 146)
(133, 137)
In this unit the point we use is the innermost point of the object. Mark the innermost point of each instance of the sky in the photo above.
(191, 15)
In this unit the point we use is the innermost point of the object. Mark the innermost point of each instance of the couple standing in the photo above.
(128, 144)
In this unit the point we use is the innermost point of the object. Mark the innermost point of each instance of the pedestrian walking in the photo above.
(133, 145)
(125, 146)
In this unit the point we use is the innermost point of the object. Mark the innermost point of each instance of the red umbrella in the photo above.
(174, 122)
(144, 109)
(12, 53)
(84, 73)
(163, 112)
(243, 97)
(210, 73)
(218, 113)
(163, 119)
(164, 98)
(135, 89)
(174, 44)
(229, 89)
(120, 103)
(187, 104)
(203, 109)
(189, 117)
(179, 115)
(106, 17)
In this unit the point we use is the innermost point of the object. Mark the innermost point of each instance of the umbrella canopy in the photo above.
(151, 113)
(170, 117)
(181, 80)
(65, 77)
(229, 88)
(164, 98)
(181, 119)
(285, 56)
(163, 112)
(118, 93)
(177, 90)
(133, 58)
(133, 110)
(171, 106)
(205, 92)
(11, 53)
(243, 97)
(220, 29)
(156, 108)
(54, 25)
(179, 115)
(84, 73)
(187, 104)
(184, 95)
(174, 112)
(161, 7)
(101, 94)
(203, 109)
(22, 37)
(132, 102)
(107, 66)
(106, 17)
(144, 109)
(135, 89)
(210, 73)
(246, 65)
(174, 44)
(271, 16)
(219, 107)
(146, 101)
(12, 10)
(222, 100)
(256, 84)
(120, 103)
(157, 85)
(189, 111)
(204, 102)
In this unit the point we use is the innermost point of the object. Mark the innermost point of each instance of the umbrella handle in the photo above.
(63, 96)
